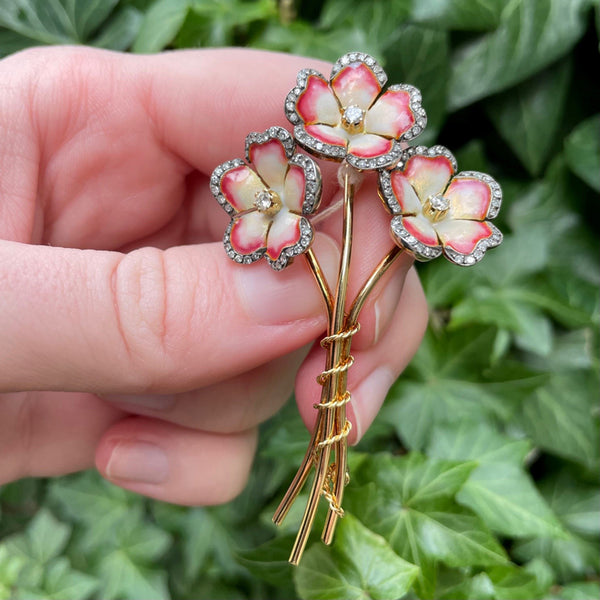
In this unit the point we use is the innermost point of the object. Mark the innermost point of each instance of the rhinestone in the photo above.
(438, 202)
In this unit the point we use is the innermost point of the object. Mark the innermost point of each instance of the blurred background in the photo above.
(480, 478)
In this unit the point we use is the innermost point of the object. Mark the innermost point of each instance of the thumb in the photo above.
(150, 320)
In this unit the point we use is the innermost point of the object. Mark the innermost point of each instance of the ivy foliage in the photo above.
(479, 480)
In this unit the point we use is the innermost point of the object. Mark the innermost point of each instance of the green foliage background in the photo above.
(479, 480)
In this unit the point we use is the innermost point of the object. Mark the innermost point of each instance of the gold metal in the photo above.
(436, 213)
(334, 355)
(342, 448)
(353, 119)
(272, 198)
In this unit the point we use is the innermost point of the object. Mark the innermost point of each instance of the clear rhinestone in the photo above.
(353, 115)
(263, 201)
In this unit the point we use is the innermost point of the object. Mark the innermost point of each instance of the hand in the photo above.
(128, 339)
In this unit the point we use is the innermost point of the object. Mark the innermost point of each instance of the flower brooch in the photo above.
(272, 195)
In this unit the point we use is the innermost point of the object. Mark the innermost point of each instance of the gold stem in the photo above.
(342, 445)
(302, 474)
(334, 355)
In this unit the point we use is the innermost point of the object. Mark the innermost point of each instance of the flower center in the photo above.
(267, 202)
(436, 207)
(353, 119)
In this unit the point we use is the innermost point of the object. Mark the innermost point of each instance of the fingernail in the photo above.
(138, 461)
(368, 397)
(274, 298)
(156, 402)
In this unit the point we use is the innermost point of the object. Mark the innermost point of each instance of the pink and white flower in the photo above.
(437, 211)
(347, 118)
(268, 200)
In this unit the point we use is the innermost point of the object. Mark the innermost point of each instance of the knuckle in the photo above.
(140, 294)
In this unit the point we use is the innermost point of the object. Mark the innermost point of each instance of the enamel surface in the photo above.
(317, 104)
(469, 198)
(249, 232)
(293, 192)
(328, 135)
(270, 162)
(428, 175)
(462, 235)
(240, 186)
(420, 227)
(356, 84)
(391, 115)
(284, 232)
(405, 194)
(369, 146)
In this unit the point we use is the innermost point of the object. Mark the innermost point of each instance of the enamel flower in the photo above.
(347, 118)
(268, 200)
(436, 211)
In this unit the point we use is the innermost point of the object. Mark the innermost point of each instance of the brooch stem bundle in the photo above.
(271, 197)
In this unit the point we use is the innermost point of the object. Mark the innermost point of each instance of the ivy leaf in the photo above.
(584, 590)
(506, 499)
(120, 30)
(10, 567)
(532, 34)
(424, 63)
(582, 151)
(476, 15)
(562, 418)
(528, 116)
(160, 25)
(359, 565)
(449, 380)
(269, 561)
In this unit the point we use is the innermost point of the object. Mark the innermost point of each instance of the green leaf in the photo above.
(359, 565)
(447, 383)
(10, 568)
(120, 31)
(532, 34)
(269, 561)
(584, 590)
(582, 151)
(161, 24)
(528, 116)
(562, 417)
(479, 441)
(61, 582)
(424, 63)
(512, 583)
(506, 499)
(44, 538)
(477, 15)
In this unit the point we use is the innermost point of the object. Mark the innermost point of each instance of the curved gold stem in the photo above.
(342, 445)
(334, 355)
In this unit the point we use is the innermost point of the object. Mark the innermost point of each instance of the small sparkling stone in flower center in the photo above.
(438, 202)
(267, 202)
(352, 118)
(436, 207)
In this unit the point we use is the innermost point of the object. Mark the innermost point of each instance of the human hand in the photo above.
(128, 339)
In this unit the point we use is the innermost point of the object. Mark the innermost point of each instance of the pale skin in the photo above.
(129, 342)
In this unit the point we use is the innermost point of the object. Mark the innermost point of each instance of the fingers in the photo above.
(149, 321)
(230, 406)
(176, 464)
(50, 433)
(375, 368)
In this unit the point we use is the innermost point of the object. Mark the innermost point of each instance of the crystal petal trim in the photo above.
(288, 254)
(421, 251)
(467, 260)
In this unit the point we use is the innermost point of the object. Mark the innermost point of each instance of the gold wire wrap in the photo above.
(342, 335)
(338, 437)
(340, 367)
(343, 399)
(328, 493)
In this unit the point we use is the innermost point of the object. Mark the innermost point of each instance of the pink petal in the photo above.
(356, 85)
(469, 197)
(249, 232)
(293, 195)
(328, 135)
(366, 145)
(284, 232)
(461, 235)
(240, 186)
(270, 162)
(405, 194)
(428, 175)
(421, 229)
(317, 104)
(391, 115)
